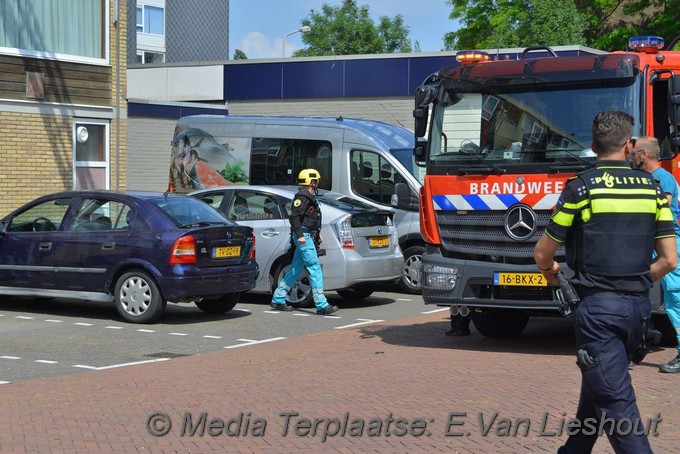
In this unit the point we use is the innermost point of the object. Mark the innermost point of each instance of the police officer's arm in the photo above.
(667, 258)
(667, 253)
(568, 206)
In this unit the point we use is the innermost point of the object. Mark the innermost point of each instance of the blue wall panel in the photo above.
(252, 81)
(376, 77)
(318, 79)
(169, 111)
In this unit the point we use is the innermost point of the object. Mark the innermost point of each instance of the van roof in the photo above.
(391, 136)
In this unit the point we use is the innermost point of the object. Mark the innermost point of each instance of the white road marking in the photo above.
(82, 324)
(114, 327)
(363, 321)
(302, 314)
(113, 366)
(404, 299)
(5, 382)
(213, 337)
(146, 330)
(45, 361)
(10, 357)
(178, 334)
(49, 320)
(436, 310)
(253, 342)
(23, 317)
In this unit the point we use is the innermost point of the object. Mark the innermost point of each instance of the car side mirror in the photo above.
(403, 198)
(420, 151)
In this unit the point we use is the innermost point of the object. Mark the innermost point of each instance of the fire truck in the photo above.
(498, 139)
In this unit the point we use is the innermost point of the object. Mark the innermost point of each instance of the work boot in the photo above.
(281, 307)
(328, 310)
(672, 366)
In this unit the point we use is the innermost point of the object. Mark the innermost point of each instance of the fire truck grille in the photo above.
(481, 236)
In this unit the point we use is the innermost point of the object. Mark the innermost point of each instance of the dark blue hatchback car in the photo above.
(138, 250)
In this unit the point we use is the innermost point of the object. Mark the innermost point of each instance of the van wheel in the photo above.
(412, 273)
(499, 322)
(358, 292)
(220, 305)
(301, 292)
(137, 297)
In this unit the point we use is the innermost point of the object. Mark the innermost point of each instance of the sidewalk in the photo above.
(397, 388)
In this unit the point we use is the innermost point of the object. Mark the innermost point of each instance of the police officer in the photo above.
(610, 218)
(305, 221)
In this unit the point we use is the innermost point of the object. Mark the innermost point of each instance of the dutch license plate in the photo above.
(226, 251)
(379, 241)
(520, 279)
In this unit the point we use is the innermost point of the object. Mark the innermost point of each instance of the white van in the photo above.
(362, 158)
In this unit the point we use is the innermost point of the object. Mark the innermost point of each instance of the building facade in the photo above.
(63, 109)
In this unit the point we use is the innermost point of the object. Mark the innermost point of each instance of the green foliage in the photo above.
(235, 173)
(240, 55)
(491, 24)
(348, 29)
(602, 24)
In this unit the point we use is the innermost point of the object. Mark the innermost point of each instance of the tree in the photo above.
(348, 29)
(603, 24)
(240, 55)
(515, 23)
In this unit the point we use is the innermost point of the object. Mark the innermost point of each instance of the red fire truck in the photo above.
(498, 139)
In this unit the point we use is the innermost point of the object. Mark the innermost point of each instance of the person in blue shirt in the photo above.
(645, 155)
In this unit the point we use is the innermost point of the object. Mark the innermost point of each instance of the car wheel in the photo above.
(357, 293)
(499, 322)
(138, 298)
(220, 305)
(411, 275)
(301, 292)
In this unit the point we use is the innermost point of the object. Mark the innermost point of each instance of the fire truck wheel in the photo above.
(499, 322)
(411, 273)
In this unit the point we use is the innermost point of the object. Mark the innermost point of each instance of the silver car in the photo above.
(360, 242)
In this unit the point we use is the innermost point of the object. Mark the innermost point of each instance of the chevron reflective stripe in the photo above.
(475, 202)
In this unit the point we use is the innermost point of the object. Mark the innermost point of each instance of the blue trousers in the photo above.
(609, 327)
(670, 284)
(304, 256)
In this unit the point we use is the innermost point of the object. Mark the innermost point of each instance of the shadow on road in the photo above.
(542, 336)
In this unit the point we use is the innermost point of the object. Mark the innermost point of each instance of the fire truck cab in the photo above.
(499, 139)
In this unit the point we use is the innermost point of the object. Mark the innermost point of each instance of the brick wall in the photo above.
(35, 157)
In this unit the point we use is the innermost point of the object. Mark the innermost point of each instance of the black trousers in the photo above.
(609, 328)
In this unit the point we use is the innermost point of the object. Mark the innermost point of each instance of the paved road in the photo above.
(44, 338)
(353, 385)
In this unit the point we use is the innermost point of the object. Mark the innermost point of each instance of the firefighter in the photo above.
(305, 222)
(610, 218)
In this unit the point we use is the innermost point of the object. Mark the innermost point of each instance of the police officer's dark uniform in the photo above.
(609, 218)
(305, 221)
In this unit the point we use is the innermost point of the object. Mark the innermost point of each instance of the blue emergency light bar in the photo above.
(649, 44)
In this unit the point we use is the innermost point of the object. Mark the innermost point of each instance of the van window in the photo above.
(279, 161)
(373, 177)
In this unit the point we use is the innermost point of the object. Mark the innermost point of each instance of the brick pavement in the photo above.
(407, 369)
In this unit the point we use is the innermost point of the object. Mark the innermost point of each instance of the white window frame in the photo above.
(92, 164)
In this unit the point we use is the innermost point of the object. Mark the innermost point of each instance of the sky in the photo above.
(258, 27)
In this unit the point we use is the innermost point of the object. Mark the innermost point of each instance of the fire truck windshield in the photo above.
(513, 127)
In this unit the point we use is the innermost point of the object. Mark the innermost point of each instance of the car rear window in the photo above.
(345, 203)
(185, 210)
(371, 219)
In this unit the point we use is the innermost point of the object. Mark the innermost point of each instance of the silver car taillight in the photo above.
(345, 236)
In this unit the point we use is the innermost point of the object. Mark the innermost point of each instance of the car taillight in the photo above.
(183, 251)
(251, 256)
(345, 234)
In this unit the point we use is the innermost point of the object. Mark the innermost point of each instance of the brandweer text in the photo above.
(532, 187)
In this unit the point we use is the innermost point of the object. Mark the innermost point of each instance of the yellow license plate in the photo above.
(379, 241)
(226, 251)
(520, 279)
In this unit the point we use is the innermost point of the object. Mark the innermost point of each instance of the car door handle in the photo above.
(270, 233)
(109, 245)
(45, 246)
